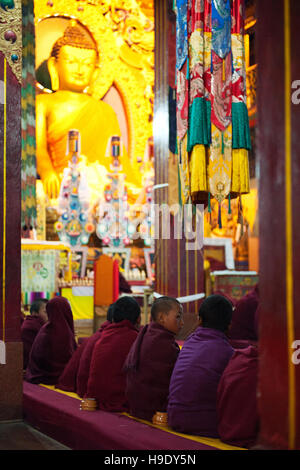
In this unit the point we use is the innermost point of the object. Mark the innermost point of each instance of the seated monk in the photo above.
(73, 66)
(243, 325)
(76, 373)
(152, 358)
(238, 420)
(107, 379)
(31, 326)
(54, 344)
(124, 286)
(192, 404)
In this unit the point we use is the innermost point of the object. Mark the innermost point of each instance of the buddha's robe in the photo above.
(107, 379)
(97, 123)
(54, 344)
(29, 329)
(192, 405)
(150, 361)
(238, 420)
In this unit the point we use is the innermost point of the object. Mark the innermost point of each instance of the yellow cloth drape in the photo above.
(240, 171)
(231, 171)
(198, 169)
(82, 306)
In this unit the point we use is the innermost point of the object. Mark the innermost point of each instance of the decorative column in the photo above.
(11, 361)
(179, 273)
(28, 168)
(278, 149)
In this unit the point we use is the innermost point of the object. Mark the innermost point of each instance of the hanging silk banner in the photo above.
(39, 270)
(213, 133)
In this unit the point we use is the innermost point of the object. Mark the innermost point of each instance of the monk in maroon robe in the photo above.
(243, 326)
(76, 373)
(31, 326)
(152, 358)
(237, 411)
(107, 380)
(54, 344)
(124, 286)
(198, 370)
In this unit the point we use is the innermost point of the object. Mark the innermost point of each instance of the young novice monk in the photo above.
(151, 359)
(243, 317)
(192, 405)
(32, 325)
(54, 344)
(238, 418)
(107, 380)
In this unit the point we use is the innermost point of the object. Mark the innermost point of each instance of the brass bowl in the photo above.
(160, 418)
(88, 404)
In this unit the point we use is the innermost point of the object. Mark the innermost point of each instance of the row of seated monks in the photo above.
(206, 388)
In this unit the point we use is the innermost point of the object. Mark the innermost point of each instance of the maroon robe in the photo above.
(29, 329)
(237, 399)
(54, 344)
(76, 373)
(85, 361)
(150, 361)
(243, 317)
(67, 380)
(107, 380)
(124, 286)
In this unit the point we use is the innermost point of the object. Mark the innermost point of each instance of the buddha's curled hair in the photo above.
(75, 37)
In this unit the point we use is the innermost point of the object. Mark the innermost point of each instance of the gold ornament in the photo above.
(124, 36)
(11, 21)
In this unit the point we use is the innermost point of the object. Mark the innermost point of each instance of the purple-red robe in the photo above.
(54, 344)
(243, 324)
(107, 379)
(67, 380)
(150, 361)
(29, 329)
(75, 375)
(85, 360)
(238, 419)
(192, 406)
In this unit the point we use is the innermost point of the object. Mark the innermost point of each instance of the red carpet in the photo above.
(58, 416)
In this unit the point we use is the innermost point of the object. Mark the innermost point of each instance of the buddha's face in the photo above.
(75, 67)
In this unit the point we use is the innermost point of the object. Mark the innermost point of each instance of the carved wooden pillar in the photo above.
(179, 273)
(11, 362)
(279, 205)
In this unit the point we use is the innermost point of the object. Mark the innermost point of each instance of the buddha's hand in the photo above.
(51, 185)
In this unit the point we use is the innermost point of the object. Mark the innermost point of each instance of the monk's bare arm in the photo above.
(44, 164)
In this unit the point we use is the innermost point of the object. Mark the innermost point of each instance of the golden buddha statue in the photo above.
(73, 66)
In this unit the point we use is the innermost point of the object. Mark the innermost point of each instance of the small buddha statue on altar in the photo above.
(73, 66)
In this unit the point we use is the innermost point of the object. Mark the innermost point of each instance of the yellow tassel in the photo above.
(224, 75)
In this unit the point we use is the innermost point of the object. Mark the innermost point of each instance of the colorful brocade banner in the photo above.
(28, 171)
(213, 135)
(39, 270)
